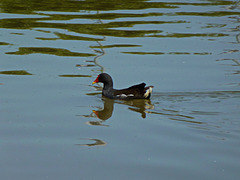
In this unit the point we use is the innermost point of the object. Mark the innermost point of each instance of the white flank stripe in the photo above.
(124, 95)
(130, 95)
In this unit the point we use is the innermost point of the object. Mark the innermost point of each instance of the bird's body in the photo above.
(138, 91)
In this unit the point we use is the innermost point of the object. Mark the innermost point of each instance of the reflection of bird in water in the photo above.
(96, 142)
(107, 111)
(140, 106)
(137, 105)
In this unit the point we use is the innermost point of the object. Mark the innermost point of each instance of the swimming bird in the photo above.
(138, 91)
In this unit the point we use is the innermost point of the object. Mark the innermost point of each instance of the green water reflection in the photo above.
(45, 50)
(93, 20)
(27, 7)
(16, 72)
(43, 17)
(4, 44)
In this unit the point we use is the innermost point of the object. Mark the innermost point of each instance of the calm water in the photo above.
(55, 125)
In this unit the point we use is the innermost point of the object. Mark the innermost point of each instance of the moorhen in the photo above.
(138, 91)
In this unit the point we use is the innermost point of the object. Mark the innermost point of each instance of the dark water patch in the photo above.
(213, 3)
(71, 37)
(203, 53)
(91, 29)
(235, 5)
(95, 142)
(74, 75)
(46, 39)
(99, 29)
(17, 33)
(45, 50)
(229, 51)
(16, 72)
(20, 23)
(4, 44)
(180, 53)
(133, 23)
(127, 33)
(214, 25)
(237, 72)
(101, 16)
(116, 45)
(85, 65)
(41, 30)
(10, 6)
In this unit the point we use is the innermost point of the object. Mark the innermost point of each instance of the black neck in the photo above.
(108, 85)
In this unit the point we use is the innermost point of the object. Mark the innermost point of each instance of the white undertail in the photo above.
(148, 92)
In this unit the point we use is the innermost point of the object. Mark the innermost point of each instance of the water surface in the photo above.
(55, 125)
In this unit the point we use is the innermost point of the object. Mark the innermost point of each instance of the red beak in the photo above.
(96, 81)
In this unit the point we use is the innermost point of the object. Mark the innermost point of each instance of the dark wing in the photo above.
(136, 91)
(139, 87)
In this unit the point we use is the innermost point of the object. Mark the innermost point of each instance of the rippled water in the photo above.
(55, 125)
